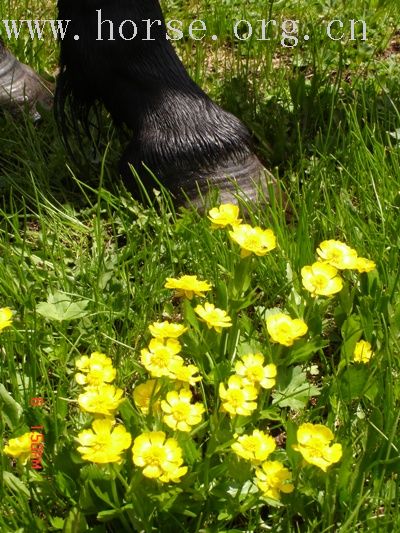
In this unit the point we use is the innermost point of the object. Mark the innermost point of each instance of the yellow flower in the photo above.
(256, 447)
(166, 330)
(238, 398)
(224, 215)
(213, 316)
(180, 413)
(5, 317)
(188, 286)
(21, 447)
(104, 443)
(160, 459)
(285, 330)
(364, 265)
(184, 373)
(251, 369)
(160, 355)
(337, 254)
(313, 442)
(145, 395)
(273, 478)
(321, 279)
(102, 400)
(362, 352)
(96, 370)
(253, 240)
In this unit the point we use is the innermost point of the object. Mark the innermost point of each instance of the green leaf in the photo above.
(57, 522)
(15, 484)
(110, 514)
(304, 350)
(189, 448)
(190, 315)
(10, 409)
(351, 333)
(75, 522)
(354, 383)
(59, 306)
(297, 393)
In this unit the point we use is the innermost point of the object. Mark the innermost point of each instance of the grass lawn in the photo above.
(83, 268)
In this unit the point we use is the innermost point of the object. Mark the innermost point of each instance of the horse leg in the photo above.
(178, 132)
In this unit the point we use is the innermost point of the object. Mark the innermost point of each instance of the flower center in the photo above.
(236, 397)
(181, 412)
(252, 242)
(251, 444)
(161, 360)
(255, 373)
(155, 456)
(319, 281)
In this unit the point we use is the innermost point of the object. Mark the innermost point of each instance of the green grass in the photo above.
(324, 117)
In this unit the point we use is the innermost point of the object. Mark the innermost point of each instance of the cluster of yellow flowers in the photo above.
(251, 240)
(240, 394)
(106, 440)
(322, 277)
(161, 357)
(272, 477)
(19, 448)
(179, 413)
(166, 399)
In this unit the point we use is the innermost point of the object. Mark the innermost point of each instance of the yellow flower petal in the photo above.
(188, 286)
(224, 215)
(284, 329)
(253, 240)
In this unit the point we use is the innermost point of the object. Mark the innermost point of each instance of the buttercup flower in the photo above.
(102, 400)
(166, 330)
(145, 395)
(104, 443)
(285, 330)
(313, 442)
(188, 286)
(159, 457)
(251, 369)
(321, 279)
(184, 373)
(337, 254)
(273, 478)
(160, 355)
(21, 447)
(180, 413)
(5, 317)
(95, 370)
(256, 447)
(362, 352)
(213, 316)
(364, 265)
(238, 398)
(253, 240)
(224, 215)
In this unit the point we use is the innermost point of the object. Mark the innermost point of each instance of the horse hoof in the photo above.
(246, 182)
(20, 87)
